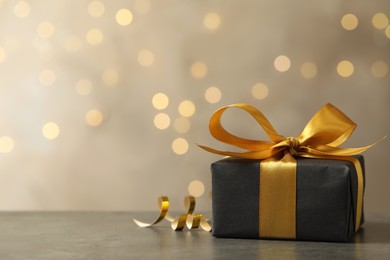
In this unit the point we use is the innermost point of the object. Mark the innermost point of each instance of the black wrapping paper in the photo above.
(326, 199)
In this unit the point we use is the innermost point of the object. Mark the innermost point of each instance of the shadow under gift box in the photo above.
(326, 198)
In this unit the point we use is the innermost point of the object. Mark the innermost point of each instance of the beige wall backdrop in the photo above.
(102, 102)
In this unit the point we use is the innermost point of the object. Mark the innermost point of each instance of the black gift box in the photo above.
(326, 198)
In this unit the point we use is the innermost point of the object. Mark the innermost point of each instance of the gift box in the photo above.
(326, 199)
(299, 188)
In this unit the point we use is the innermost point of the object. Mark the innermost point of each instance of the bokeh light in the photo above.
(162, 121)
(50, 130)
(180, 146)
(212, 21)
(182, 125)
(379, 69)
(84, 87)
(198, 70)
(345, 68)
(47, 77)
(213, 95)
(145, 58)
(196, 188)
(160, 101)
(95, 8)
(186, 108)
(349, 22)
(94, 117)
(45, 29)
(282, 63)
(110, 77)
(387, 31)
(22, 9)
(308, 70)
(260, 91)
(7, 144)
(94, 36)
(124, 17)
(380, 21)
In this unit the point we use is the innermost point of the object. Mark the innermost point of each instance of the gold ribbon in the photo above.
(326, 130)
(189, 219)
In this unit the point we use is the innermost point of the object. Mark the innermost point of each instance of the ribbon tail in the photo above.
(326, 150)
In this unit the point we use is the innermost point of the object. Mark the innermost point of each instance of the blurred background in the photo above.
(102, 102)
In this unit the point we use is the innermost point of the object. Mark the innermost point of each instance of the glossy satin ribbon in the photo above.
(320, 138)
(189, 219)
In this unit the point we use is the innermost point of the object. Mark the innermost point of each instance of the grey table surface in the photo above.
(113, 235)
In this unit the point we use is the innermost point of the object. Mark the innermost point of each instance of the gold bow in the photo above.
(320, 138)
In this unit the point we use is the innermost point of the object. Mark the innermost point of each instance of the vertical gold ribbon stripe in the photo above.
(277, 211)
(360, 181)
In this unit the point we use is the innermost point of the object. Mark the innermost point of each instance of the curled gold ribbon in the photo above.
(326, 130)
(189, 219)
(163, 204)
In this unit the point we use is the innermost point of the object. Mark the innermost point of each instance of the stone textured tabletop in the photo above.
(113, 235)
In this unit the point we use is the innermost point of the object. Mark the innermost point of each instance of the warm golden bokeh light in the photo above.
(45, 29)
(47, 77)
(186, 108)
(180, 146)
(50, 130)
(379, 69)
(110, 77)
(162, 121)
(380, 21)
(282, 63)
(124, 17)
(94, 117)
(345, 68)
(84, 87)
(308, 70)
(212, 21)
(95, 8)
(22, 9)
(73, 43)
(142, 6)
(145, 58)
(387, 31)
(196, 188)
(198, 70)
(349, 22)
(94, 36)
(182, 125)
(7, 144)
(160, 101)
(213, 95)
(260, 91)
